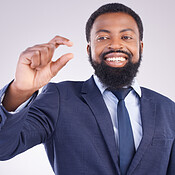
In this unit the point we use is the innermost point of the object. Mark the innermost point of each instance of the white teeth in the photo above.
(116, 59)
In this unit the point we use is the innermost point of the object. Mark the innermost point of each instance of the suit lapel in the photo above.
(148, 113)
(94, 99)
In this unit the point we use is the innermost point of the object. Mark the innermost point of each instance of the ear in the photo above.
(88, 48)
(141, 45)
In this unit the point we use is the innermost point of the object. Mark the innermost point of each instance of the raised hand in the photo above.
(35, 68)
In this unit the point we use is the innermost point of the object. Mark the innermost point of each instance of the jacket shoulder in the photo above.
(151, 94)
(65, 87)
(69, 85)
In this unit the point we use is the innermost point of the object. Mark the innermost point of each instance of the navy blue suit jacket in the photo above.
(73, 122)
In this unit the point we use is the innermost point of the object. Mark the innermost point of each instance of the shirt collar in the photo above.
(102, 87)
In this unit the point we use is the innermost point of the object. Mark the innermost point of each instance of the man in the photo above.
(79, 122)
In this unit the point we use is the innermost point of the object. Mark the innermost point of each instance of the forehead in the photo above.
(115, 21)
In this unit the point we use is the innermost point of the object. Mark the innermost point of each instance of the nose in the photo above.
(115, 44)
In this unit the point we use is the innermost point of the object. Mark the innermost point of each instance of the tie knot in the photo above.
(121, 93)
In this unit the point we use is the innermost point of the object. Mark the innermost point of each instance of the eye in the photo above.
(101, 38)
(125, 37)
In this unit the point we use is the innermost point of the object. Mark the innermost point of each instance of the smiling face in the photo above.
(112, 32)
(115, 49)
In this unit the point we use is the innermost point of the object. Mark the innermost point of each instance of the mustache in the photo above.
(116, 51)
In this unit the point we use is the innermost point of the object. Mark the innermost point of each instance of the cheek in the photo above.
(96, 51)
(136, 53)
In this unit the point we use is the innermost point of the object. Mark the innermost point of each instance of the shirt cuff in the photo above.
(23, 105)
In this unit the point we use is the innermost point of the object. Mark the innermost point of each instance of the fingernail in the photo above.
(70, 43)
(70, 55)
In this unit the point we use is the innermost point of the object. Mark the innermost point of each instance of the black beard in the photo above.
(116, 77)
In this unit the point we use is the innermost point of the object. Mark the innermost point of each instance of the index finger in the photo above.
(59, 40)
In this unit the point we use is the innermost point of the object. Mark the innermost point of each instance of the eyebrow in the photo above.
(125, 30)
(103, 30)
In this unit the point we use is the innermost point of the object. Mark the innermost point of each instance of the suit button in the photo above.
(0, 119)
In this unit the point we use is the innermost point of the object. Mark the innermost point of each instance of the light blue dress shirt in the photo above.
(132, 102)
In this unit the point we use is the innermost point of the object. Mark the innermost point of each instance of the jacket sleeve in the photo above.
(31, 126)
(171, 164)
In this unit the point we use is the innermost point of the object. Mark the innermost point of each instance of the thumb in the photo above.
(60, 63)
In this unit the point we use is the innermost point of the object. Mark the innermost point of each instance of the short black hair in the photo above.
(113, 8)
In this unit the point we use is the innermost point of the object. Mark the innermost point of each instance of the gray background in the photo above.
(26, 23)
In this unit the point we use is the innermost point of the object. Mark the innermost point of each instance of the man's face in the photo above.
(115, 44)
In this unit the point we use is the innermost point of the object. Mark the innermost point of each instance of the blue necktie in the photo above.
(126, 141)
